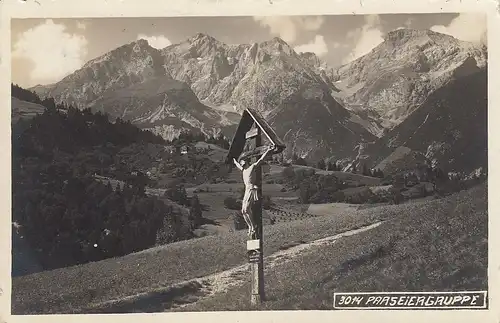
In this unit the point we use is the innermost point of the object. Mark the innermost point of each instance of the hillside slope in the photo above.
(462, 215)
(24, 109)
(441, 245)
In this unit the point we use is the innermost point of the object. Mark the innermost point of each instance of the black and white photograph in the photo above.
(249, 163)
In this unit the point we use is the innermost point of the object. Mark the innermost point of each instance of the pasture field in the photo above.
(434, 244)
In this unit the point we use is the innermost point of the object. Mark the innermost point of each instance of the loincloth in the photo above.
(253, 193)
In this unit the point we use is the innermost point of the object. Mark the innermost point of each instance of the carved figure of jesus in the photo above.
(251, 189)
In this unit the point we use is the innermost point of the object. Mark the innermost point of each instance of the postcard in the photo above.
(277, 160)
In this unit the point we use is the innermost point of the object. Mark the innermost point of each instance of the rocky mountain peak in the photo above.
(201, 37)
(196, 47)
(200, 40)
(138, 49)
(313, 61)
(406, 34)
(277, 45)
(141, 43)
(128, 64)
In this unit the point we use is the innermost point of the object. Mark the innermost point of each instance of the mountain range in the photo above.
(395, 78)
(319, 111)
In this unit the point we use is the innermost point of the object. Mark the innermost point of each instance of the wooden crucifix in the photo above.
(251, 128)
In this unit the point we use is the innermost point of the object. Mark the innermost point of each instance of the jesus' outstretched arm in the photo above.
(261, 159)
(237, 164)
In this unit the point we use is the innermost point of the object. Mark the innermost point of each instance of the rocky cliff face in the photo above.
(450, 128)
(397, 76)
(131, 83)
(166, 107)
(129, 64)
(162, 90)
(258, 75)
(292, 91)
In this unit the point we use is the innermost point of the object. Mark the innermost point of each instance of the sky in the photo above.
(46, 50)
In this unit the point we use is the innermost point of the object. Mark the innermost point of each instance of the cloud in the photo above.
(287, 28)
(81, 25)
(467, 27)
(54, 52)
(317, 46)
(157, 42)
(365, 38)
(408, 23)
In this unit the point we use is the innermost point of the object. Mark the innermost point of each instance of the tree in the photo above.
(366, 171)
(195, 212)
(321, 164)
(177, 193)
(54, 157)
(396, 196)
(289, 173)
(305, 192)
(266, 202)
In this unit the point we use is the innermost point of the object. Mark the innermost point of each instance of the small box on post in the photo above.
(253, 245)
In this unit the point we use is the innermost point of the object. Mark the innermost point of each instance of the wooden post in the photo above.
(257, 264)
(245, 134)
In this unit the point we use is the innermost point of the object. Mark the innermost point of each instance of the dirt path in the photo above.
(191, 291)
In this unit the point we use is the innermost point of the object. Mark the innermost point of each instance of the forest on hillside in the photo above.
(63, 212)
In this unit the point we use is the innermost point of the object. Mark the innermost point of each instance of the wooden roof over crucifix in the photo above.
(249, 119)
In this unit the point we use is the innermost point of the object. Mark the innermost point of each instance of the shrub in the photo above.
(195, 212)
(300, 161)
(306, 191)
(231, 203)
(338, 196)
(238, 221)
(388, 180)
(319, 197)
(395, 196)
(266, 202)
(289, 173)
(177, 194)
(422, 190)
